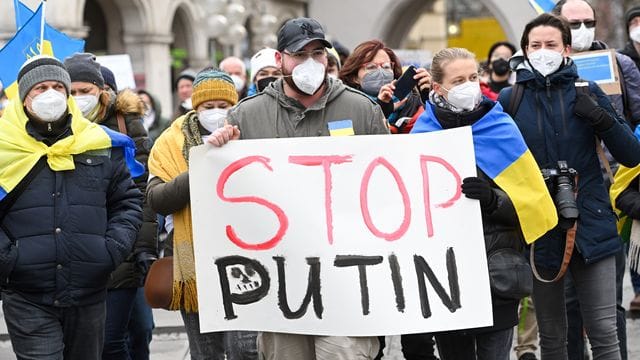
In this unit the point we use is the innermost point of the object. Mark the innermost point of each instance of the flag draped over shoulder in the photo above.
(502, 154)
(624, 176)
(19, 152)
(542, 6)
(26, 44)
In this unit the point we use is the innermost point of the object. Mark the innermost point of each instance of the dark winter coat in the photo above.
(631, 52)
(553, 132)
(87, 221)
(129, 104)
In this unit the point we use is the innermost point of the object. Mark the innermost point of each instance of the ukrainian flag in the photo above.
(340, 128)
(26, 44)
(20, 151)
(624, 176)
(542, 6)
(502, 154)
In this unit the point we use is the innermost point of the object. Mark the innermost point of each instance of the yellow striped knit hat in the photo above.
(212, 84)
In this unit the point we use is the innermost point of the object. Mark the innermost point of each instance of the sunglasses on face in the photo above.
(575, 25)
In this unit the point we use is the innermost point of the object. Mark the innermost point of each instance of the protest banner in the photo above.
(349, 236)
(599, 66)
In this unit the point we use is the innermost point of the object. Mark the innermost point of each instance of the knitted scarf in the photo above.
(169, 158)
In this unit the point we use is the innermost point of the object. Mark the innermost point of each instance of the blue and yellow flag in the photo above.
(340, 128)
(26, 44)
(624, 176)
(542, 6)
(502, 154)
(20, 151)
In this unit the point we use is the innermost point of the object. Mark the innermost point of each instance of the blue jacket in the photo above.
(553, 132)
(69, 230)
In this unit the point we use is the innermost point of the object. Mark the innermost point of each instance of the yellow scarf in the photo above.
(167, 161)
(19, 152)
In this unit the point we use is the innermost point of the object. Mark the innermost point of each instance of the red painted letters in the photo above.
(282, 218)
(326, 162)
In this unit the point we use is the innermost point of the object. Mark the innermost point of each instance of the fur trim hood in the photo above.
(129, 103)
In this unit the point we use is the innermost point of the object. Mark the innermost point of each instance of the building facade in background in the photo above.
(164, 37)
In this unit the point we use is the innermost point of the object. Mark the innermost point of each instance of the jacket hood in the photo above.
(631, 51)
(157, 107)
(333, 88)
(129, 103)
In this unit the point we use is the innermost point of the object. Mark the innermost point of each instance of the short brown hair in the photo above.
(557, 22)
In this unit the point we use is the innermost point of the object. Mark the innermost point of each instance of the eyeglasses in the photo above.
(300, 56)
(575, 25)
(373, 66)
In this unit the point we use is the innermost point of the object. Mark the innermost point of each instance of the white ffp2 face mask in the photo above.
(582, 38)
(212, 119)
(50, 105)
(545, 61)
(238, 82)
(86, 103)
(308, 76)
(634, 34)
(465, 97)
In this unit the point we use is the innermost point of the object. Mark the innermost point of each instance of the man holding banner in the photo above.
(305, 103)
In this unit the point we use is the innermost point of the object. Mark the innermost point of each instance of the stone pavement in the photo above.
(170, 341)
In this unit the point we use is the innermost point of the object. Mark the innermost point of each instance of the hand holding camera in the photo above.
(587, 108)
(480, 189)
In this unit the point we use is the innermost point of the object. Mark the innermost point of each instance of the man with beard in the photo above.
(305, 102)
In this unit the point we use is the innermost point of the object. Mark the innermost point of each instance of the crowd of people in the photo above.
(94, 188)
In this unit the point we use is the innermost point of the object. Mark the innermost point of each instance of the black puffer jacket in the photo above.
(131, 107)
(500, 223)
(70, 229)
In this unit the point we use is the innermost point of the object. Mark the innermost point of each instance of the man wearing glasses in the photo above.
(581, 17)
(305, 102)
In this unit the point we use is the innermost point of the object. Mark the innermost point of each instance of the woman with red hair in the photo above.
(372, 68)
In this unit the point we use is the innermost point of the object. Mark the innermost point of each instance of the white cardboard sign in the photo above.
(345, 236)
(121, 67)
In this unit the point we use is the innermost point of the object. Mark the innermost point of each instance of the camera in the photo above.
(561, 182)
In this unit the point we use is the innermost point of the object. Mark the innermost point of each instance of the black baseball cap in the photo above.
(297, 33)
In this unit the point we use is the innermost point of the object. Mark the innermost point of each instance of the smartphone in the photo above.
(405, 83)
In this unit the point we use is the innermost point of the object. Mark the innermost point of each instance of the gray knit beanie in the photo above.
(41, 68)
(84, 67)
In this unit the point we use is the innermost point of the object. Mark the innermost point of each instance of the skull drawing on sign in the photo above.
(243, 279)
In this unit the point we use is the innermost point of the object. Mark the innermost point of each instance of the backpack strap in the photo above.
(582, 87)
(517, 91)
(7, 202)
(122, 125)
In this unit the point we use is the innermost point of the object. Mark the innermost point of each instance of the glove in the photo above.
(480, 189)
(144, 261)
(587, 108)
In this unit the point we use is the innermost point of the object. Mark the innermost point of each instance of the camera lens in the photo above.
(565, 199)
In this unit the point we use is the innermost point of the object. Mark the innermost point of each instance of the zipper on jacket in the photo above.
(562, 113)
(548, 85)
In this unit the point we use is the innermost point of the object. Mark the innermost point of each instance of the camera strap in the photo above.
(604, 160)
(570, 241)
(569, 244)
